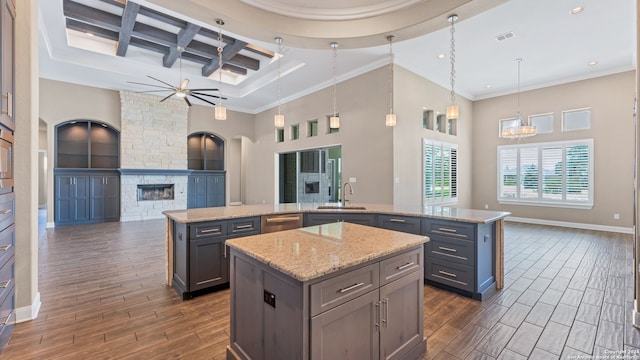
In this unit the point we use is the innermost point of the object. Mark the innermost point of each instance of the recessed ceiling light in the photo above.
(441, 56)
(488, 86)
(593, 63)
(576, 10)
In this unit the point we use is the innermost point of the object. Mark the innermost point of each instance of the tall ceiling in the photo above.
(110, 46)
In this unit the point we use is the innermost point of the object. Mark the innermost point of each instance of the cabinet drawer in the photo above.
(454, 275)
(337, 290)
(406, 224)
(7, 243)
(455, 229)
(400, 265)
(448, 249)
(7, 207)
(244, 226)
(208, 229)
(312, 219)
(7, 277)
(7, 315)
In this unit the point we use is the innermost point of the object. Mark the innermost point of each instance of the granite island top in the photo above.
(308, 253)
(230, 212)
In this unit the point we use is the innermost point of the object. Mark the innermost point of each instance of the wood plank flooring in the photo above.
(568, 293)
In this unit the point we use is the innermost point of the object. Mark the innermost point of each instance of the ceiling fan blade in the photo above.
(203, 89)
(187, 100)
(158, 86)
(166, 83)
(150, 91)
(203, 94)
(184, 84)
(205, 100)
(170, 95)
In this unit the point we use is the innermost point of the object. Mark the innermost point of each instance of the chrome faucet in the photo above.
(344, 193)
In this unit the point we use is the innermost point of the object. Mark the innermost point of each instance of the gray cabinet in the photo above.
(460, 256)
(71, 199)
(370, 311)
(206, 189)
(200, 256)
(7, 26)
(105, 197)
(312, 219)
(408, 224)
(86, 197)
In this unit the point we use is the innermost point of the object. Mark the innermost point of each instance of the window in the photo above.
(579, 119)
(547, 174)
(295, 132)
(440, 172)
(279, 135)
(542, 122)
(313, 128)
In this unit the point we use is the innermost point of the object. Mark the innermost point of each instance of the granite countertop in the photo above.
(308, 253)
(230, 212)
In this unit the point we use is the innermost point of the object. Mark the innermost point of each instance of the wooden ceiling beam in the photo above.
(129, 15)
(149, 45)
(228, 52)
(185, 36)
(90, 15)
(206, 61)
(153, 34)
(90, 29)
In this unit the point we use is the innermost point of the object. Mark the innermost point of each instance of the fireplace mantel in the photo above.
(168, 172)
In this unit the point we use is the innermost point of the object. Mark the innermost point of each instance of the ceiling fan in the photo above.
(180, 91)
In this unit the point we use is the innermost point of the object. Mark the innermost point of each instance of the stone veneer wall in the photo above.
(153, 135)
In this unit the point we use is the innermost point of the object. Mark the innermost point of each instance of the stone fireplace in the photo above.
(153, 151)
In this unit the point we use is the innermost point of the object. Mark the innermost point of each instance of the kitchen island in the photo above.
(333, 291)
(465, 254)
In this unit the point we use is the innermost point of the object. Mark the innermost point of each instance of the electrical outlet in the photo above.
(486, 206)
(397, 180)
(352, 180)
(616, 216)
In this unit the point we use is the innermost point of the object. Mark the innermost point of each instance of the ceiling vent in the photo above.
(505, 36)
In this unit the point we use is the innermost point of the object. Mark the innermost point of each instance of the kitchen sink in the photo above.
(338, 207)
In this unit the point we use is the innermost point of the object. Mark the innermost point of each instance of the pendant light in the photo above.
(521, 130)
(452, 110)
(220, 110)
(278, 119)
(391, 117)
(334, 121)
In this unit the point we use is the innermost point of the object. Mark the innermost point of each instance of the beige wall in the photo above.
(612, 128)
(367, 144)
(413, 94)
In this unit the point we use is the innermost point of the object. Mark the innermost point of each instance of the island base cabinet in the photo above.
(345, 332)
(273, 316)
(208, 264)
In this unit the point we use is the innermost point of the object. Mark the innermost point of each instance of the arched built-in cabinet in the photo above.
(205, 156)
(86, 177)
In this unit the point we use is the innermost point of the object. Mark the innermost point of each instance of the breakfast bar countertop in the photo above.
(311, 252)
(438, 212)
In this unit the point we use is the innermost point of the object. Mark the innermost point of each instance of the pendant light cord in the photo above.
(220, 22)
(519, 60)
(390, 38)
(335, 57)
(452, 57)
(279, 41)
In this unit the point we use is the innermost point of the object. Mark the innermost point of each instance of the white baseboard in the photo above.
(27, 313)
(616, 229)
(51, 225)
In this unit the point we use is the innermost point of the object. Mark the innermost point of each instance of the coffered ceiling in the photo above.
(110, 43)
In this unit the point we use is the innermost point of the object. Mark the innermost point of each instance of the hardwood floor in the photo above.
(567, 293)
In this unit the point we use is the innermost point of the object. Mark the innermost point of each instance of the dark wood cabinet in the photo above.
(7, 199)
(71, 199)
(105, 197)
(200, 255)
(87, 144)
(206, 189)
(86, 196)
(460, 256)
(205, 151)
